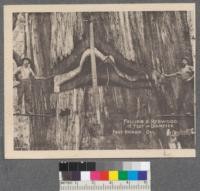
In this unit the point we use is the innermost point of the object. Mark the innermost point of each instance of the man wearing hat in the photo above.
(24, 74)
(186, 74)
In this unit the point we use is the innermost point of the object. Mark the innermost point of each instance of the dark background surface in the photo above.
(42, 175)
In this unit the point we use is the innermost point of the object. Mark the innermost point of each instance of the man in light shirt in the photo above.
(24, 74)
(186, 74)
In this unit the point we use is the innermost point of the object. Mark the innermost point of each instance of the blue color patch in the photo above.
(142, 175)
(132, 175)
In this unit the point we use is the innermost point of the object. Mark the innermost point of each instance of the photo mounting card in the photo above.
(99, 81)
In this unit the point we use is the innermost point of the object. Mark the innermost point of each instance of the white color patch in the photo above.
(85, 175)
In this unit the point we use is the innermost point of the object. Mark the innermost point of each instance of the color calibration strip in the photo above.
(104, 175)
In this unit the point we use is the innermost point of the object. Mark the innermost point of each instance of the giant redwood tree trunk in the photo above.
(147, 40)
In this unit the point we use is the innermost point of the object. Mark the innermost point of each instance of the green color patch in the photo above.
(123, 175)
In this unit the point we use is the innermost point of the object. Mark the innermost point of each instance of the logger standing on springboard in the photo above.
(24, 74)
(186, 74)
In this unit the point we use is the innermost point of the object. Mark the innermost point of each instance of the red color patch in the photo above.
(104, 175)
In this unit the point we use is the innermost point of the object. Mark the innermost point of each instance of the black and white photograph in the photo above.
(99, 81)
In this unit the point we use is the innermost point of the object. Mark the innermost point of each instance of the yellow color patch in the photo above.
(113, 175)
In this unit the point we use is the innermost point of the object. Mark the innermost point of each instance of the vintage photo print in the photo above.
(99, 81)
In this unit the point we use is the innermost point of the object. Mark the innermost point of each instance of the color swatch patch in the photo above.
(113, 175)
(123, 175)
